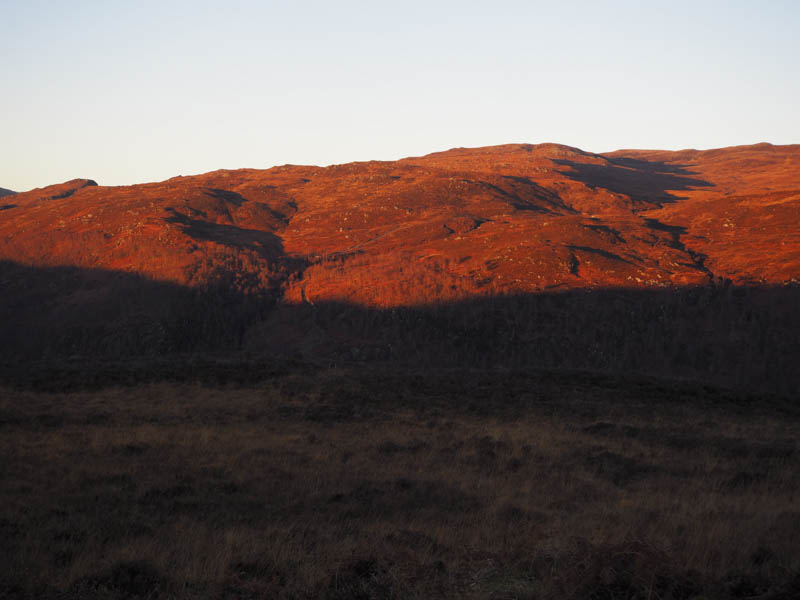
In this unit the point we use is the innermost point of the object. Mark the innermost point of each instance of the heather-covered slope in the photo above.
(746, 224)
(669, 263)
(451, 225)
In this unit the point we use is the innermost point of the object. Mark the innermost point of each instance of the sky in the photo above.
(131, 91)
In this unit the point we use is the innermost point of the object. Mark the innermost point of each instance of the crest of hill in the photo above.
(507, 158)
(5, 192)
(56, 191)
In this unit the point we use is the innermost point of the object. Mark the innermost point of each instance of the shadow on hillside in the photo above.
(7, 206)
(599, 252)
(552, 202)
(53, 313)
(226, 196)
(264, 243)
(645, 182)
(748, 338)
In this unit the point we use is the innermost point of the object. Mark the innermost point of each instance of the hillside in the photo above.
(515, 218)
(459, 228)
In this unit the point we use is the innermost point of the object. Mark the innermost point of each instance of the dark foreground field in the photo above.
(340, 484)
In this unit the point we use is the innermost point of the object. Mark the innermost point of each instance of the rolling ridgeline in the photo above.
(675, 264)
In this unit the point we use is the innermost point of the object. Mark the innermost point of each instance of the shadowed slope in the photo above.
(746, 337)
(646, 183)
(4, 193)
(59, 312)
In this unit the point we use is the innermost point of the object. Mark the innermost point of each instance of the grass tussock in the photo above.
(399, 485)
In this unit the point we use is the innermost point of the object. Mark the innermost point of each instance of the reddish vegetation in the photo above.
(450, 225)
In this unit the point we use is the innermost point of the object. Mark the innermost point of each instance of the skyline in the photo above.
(127, 94)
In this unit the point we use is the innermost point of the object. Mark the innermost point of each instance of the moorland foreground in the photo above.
(354, 484)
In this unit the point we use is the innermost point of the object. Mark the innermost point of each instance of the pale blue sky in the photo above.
(127, 92)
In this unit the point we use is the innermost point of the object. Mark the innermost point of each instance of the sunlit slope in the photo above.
(450, 225)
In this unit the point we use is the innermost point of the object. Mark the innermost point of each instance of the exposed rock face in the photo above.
(450, 225)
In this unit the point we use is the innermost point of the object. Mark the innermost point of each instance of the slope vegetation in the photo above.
(516, 218)
(319, 260)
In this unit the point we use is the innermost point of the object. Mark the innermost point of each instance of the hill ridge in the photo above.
(464, 222)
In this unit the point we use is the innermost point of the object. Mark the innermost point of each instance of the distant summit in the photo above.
(5, 192)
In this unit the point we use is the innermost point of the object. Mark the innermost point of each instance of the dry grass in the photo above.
(400, 485)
